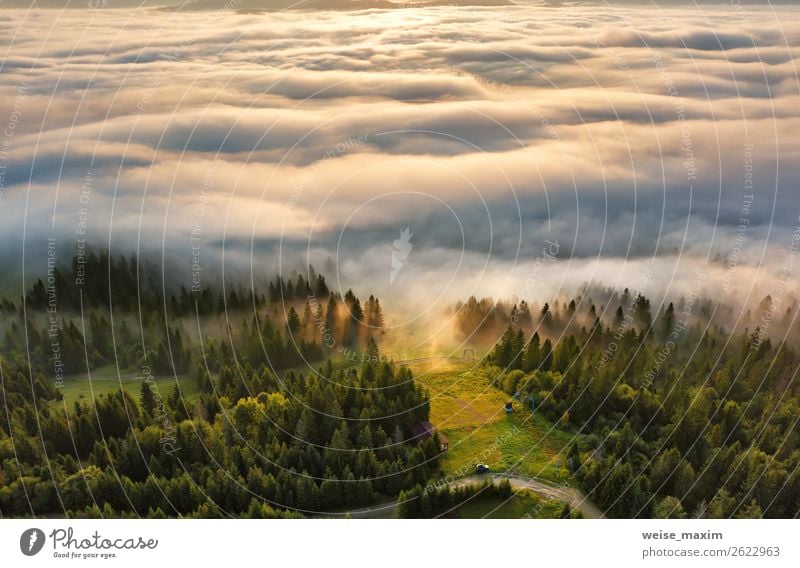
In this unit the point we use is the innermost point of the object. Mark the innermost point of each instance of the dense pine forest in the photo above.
(232, 454)
(292, 321)
(255, 442)
(674, 417)
(669, 414)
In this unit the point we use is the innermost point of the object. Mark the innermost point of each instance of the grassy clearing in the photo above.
(523, 504)
(104, 380)
(469, 411)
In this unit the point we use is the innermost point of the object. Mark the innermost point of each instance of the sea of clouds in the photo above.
(642, 139)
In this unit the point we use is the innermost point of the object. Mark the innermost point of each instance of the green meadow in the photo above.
(85, 387)
(470, 412)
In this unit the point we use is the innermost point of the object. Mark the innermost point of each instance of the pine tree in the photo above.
(533, 354)
(377, 317)
(547, 355)
(307, 325)
(332, 319)
(293, 322)
(300, 288)
(372, 350)
(642, 315)
(669, 508)
(668, 321)
(546, 316)
(525, 319)
(321, 290)
(146, 398)
(517, 347)
(503, 352)
(355, 322)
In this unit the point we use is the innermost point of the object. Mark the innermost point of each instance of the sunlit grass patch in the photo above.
(105, 381)
(470, 412)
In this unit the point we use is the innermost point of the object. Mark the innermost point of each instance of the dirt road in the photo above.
(546, 489)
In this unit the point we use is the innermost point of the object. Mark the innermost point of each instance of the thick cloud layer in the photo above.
(632, 136)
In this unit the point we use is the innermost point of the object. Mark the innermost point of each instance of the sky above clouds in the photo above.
(620, 132)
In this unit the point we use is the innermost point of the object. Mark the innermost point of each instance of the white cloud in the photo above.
(522, 121)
